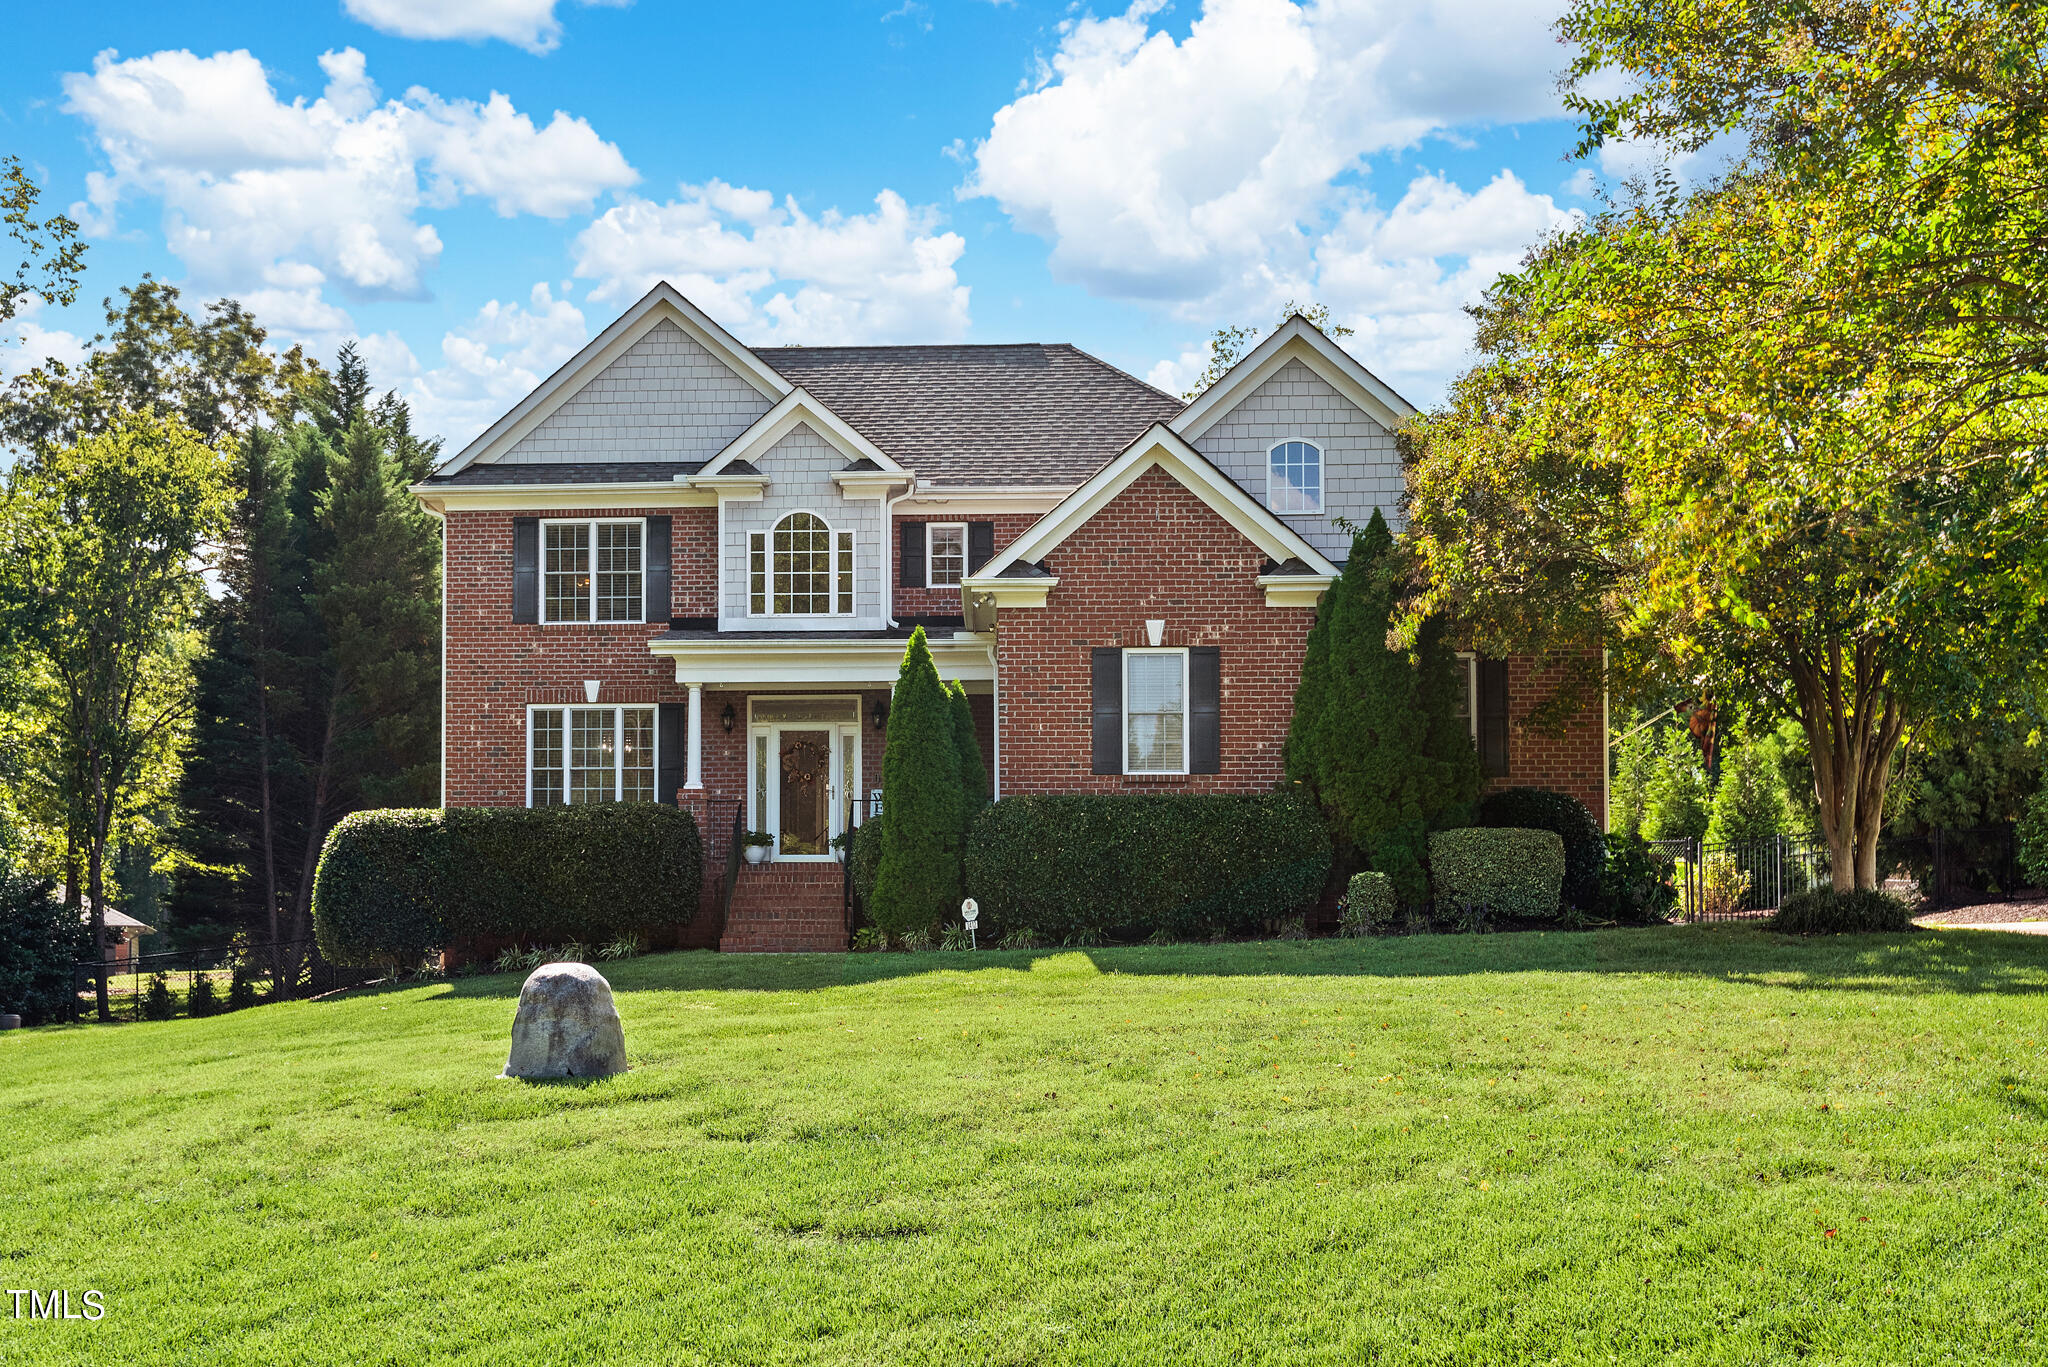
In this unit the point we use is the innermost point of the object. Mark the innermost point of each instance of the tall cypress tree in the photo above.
(1375, 731)
(974, 789)
(918, 880)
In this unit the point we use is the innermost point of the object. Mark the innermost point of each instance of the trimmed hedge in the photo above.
(1075, 868)
(1507, 872)
(1369, 903)
(1539, 809)
(397, 884)
(1825, 911)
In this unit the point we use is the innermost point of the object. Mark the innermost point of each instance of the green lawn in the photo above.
(1692, 1145)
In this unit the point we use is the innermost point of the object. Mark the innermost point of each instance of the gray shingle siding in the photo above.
(799, 470)
(1361, 468)
(667, 399)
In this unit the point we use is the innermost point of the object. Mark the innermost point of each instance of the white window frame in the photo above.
(931, 577)
(1322, 477)
(618, 711)
(590, 599)
(1187, 702)
(840, 541)
(1468, 663)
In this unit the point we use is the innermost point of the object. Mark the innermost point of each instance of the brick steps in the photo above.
(787, 909)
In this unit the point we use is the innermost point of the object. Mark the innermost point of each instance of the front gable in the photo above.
(795, 473)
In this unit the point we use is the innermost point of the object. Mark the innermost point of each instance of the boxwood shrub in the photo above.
(1502, 871)
(1369, 903)
(1827, 912)
(1073, 869)
(1539, 809)
(394, 885)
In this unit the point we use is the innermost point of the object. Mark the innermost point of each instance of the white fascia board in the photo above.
(797, 407)
(1011, 593)
(1159, 446)
(661, 304)
(990, 499)
(1295, 590)
(1296, 339)
(824, 662)
(548, 497)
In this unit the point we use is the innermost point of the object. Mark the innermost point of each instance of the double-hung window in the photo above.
(589, 754)
(1294, 477)
(800, 568)
(1155, 711)
(945, 553)
(593, 571)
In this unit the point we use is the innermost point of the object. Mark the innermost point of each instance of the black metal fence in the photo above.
(1746, 880)
(272, 971)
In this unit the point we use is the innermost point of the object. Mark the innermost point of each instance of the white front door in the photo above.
(804, 760)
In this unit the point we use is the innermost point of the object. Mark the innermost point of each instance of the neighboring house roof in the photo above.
(1029, 413)
(564, 472)
(116, 920)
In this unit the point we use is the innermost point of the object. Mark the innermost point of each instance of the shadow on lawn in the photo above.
(1963, 962)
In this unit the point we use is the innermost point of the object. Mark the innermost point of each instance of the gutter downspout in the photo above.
(889, 544)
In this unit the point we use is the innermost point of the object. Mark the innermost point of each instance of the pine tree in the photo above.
(1749, 801)
(1676, 796)
(1376, 732)
(974, 789)
(919, 878)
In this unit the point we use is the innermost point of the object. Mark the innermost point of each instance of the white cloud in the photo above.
(530, 24)
(26, 343)
(773, 273)
(487, 365)
(262, 195)
(1197, 173)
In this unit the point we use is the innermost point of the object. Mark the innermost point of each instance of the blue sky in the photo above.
(474, 187)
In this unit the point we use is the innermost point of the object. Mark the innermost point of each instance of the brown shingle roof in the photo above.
(1030, 413)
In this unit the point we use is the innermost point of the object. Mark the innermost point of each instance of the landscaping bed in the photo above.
(1695, 1144)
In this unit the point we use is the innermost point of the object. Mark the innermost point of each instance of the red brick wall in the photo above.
(945, 602)
(1156, 551)
(1574, 763)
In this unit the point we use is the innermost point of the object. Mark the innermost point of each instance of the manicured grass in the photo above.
(1684, 1145)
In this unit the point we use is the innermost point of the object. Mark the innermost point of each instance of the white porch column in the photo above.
(693, 775)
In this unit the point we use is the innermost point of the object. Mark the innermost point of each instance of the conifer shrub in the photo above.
(40, 939)
(917, 879)
(1084, 869)
(1516, 874)
(394, 885)
(1539, 809)
(1824, 911)
(202, 998)
(1369, 903)
(864, 859)
(974, 786)
(157, 1002)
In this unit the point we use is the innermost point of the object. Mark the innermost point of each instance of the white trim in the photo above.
(834, 618)
(1162, 447)
(1295, 340)
(992, 500)
(797, 408)
(835, 803)
(1322, 468)
(1186, 708)
(524, 498)
(1606, 748)
(661, 304)
(693, 740)
(1469, 662)
(929, 528)
(741, 660)
(442, 518)
(618, 711)
(1295, 590)
(593, 523)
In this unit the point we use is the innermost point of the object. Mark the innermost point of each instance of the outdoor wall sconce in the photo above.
(727, 717)
(882, 715)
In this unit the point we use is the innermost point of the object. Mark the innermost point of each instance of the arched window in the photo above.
(802, 568)
(1294, 477)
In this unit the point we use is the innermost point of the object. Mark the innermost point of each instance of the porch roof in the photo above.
(811, 659)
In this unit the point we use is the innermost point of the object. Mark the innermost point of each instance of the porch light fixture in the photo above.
(727, 718)
(882, 715)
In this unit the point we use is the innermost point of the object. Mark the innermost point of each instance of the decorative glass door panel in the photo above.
(805, 805)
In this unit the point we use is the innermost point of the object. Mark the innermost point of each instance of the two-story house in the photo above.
(683, 570)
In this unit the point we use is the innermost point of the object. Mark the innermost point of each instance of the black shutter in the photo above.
(655, 593)
(671, 749)
(1107, 669)
(526, 569)
(1205, 710)
(910, 562)
(981, 544)
(1493, 718)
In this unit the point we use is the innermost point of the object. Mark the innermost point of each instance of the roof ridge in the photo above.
(1119, 370)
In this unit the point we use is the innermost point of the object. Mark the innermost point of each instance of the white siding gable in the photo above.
(1361, 468)
(799, 469)
(666, 399)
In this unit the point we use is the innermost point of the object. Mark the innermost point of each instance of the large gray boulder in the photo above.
(566, 1026)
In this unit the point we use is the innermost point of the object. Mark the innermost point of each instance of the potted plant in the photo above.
(757, 845)
(840, 844)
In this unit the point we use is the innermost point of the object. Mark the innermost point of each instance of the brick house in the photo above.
(683, 570)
